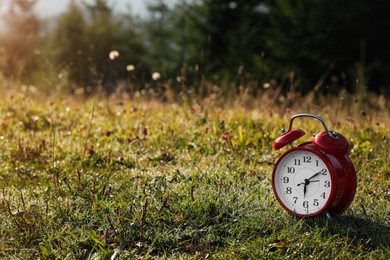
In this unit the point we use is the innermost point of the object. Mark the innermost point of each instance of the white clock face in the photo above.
(302, 182)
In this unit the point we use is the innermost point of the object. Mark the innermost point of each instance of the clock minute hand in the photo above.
(318, 173)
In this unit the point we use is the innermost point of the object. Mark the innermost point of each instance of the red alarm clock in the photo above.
(315, 177)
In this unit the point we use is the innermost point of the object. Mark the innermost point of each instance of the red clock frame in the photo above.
(332, 148)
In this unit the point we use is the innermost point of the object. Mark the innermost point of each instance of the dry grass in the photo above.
(160, 174)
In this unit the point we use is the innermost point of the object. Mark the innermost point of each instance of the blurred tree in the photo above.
(375, 47)
(211, 38)
(159, 30)
(19, 40)
(102, 39)
(131, 45)
(295, 37)
(327, 44)
(173, 44)
(96, 46)
(303, 44)
(233, 37)
(70, 43)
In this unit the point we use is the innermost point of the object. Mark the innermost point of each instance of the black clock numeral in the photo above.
(316, 162)
(323, 195)
(286, 180)
(305, 204)
(315, 202)
(295, 199)
(290, 170)
(327, 184)
(288, 190)
(306, 159)
(297, 162)
(324, 171)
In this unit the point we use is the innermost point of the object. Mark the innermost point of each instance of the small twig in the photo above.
(110, 223)
(85, 145)
(144, 209)
(192, 192)
(9, 208)
(103, 190)
(165, 203)
(68, 184)
(220, 185)
(78, 177)
(24, 204)
(363, 208)
(13, 215)
(56, 173)
(59, 204)
(88, 133)
(47, 210)
(53, 144)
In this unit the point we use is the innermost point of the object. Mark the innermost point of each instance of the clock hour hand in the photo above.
(305, 183)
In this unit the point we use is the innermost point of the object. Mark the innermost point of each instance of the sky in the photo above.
(50, 8)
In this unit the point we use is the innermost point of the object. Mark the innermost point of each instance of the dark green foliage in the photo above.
(218, 40)
(234, 39)
(323, 41)
(303, 44)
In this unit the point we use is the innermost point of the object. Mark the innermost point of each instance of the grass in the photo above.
(131, 178)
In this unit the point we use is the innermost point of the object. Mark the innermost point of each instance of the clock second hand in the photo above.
(306, 182)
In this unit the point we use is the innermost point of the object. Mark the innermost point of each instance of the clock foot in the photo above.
(328, 215)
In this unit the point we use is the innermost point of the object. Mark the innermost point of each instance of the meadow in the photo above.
(180, 176)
